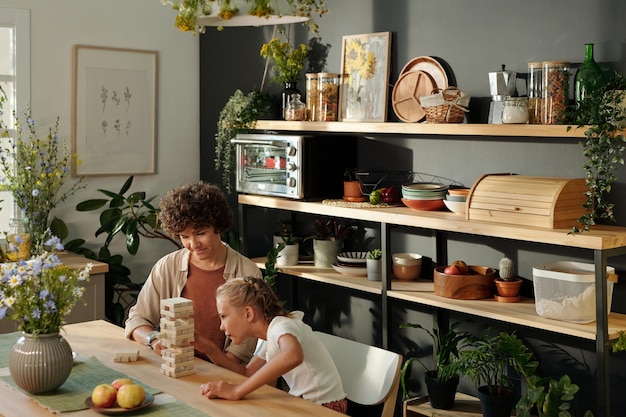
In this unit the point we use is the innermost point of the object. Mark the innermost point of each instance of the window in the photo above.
(14, 79)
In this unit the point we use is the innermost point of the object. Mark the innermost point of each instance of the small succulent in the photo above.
(507, 273)
(375, 254)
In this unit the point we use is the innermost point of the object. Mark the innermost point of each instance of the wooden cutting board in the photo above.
(406, 93)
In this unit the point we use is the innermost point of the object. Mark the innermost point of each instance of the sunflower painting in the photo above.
(365, 72)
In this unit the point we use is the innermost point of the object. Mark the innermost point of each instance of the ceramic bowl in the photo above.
(351, 270)
(352, 257)
(406, 266)
(457, 207)
(424, 205)
(450, 197)
(459, 191)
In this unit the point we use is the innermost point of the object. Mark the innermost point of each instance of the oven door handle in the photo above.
(269, 142)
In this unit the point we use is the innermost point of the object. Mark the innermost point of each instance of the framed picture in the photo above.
(114, 105)
(365, 61)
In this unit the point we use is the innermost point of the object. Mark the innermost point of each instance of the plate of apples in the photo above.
(119, 397)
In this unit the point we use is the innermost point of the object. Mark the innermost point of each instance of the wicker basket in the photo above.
(445, 106)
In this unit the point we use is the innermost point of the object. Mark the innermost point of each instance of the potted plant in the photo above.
(287, 63)
(507, 284)
(328, 237)
(486, 365)
(441, 382)
(239, 115)
(604, 111)
(373, 263)
(288, 255)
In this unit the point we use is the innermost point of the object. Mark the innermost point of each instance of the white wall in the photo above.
(138, 24)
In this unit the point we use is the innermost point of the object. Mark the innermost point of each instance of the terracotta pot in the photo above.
(40, 364)
(352, 191)
(508, 289)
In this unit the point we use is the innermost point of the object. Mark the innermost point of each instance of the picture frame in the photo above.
(365, 65)
(114, 108)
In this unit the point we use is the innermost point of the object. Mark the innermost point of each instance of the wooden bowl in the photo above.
(476, 285)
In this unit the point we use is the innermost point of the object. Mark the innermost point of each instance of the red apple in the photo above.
(117, 384)
(391, 195)
(463, 268)
(103, 395)
(452, 270)
(130, 396)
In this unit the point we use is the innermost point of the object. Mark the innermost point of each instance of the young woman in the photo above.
(196, 214)
(249, 308)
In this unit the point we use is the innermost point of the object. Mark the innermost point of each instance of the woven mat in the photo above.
(349, 204)
(72, 394)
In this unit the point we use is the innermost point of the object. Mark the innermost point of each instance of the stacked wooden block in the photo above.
(177, 330)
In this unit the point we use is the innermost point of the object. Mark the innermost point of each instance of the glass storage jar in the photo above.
(328, 85)
(18, 240)
(312, 96)
(296, 111)
(555, 90)
(515, 110)
(534, 93)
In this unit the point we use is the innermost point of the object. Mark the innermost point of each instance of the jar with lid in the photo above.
(534, 92)
(328, 85)
(18, 240)
(555, 92)
(515, 110)
(312, 96)
(296, 110)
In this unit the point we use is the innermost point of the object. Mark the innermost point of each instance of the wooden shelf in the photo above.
(328, 276)
(452, 129)
(464, 406)
(602, 237)
(422, 292)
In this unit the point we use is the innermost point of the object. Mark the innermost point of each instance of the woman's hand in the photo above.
(220, 389)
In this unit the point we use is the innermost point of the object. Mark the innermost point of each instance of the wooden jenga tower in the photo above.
(177, 329)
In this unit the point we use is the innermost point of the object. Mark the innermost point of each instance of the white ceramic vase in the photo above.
(325, 252)
(289, 255)
(374, 269)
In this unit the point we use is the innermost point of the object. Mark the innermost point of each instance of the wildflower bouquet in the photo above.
(288, 61)
(40, 292)
(34, 171)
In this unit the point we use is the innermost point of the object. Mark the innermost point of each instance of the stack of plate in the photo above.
(351, 263)
(424, 196)
(456, 200)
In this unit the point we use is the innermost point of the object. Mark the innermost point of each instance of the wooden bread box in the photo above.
(549, 202)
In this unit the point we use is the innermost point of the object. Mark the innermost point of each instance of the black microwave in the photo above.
(304, 167)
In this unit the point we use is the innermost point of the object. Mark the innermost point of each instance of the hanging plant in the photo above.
(604, 113)
(239, 115)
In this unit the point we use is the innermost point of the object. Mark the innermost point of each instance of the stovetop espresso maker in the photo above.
(502, 84)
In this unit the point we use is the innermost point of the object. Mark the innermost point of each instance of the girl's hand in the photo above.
(220, 389)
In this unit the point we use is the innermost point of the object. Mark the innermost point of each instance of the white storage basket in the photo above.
(566, 291)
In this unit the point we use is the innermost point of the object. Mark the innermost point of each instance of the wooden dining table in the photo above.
(101, 339)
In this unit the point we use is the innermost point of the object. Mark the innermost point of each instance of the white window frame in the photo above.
(19, 19)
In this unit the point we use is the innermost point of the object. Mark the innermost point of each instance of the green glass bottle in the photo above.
(588, 75)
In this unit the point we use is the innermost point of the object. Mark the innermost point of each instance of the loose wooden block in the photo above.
(526, 200)
(176, 372)
(126, 355)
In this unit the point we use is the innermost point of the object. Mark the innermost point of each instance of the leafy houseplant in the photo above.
(605, 112)
(289, 244)
(328, 237)
(239, 115)
(35, 170)
(446, 344)
(375, 254)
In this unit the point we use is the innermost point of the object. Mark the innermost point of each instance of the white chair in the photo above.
(370, 375)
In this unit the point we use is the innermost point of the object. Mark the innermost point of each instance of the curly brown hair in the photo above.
(198, 206)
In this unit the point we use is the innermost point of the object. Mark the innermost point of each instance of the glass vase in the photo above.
(18, 240)
(589, 74)
(41, 363)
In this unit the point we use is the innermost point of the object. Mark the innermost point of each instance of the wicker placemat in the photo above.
(72, 394)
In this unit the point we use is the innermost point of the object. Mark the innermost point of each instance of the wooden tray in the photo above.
(406, 93)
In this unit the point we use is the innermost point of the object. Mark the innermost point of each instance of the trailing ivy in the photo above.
(604, 116)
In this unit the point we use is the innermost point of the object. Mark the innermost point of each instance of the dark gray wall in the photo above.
(473, 37)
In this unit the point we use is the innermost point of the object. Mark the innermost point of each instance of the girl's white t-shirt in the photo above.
(316, 379)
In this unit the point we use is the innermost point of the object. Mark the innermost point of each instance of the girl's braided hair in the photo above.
(251, 291)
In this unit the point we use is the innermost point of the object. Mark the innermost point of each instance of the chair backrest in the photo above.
(369, 375)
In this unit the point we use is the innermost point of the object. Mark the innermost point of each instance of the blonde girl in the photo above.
(249, 308)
